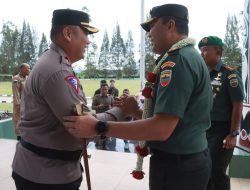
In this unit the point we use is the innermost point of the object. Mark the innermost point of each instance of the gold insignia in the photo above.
(230, 68)
(231, 76)
(204, 40)
(233, 83)
(168, 63)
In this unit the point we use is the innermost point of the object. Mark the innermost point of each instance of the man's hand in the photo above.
(229, 142)
(101, 106)
(129, 106)
(81, 126)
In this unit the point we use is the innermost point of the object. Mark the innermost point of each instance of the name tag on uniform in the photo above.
(216, 83)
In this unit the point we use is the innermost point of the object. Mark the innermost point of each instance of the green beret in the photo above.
(73, 17)
(210, 40)
(173, 10)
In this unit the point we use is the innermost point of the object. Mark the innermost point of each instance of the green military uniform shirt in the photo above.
(227, 87)
(183, 89)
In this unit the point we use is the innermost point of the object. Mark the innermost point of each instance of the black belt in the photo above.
(221, 123)
(52, 153)
(170, 156)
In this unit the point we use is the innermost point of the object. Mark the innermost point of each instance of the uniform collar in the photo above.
(60, 51)
(218, 66)
(159, 58)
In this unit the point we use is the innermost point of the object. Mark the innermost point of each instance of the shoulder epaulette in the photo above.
(230, 68)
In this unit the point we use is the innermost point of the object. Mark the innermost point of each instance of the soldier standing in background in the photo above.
(18, 82)
(226, 113)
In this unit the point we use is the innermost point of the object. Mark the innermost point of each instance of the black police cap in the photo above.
(72, 17)
(172, 10)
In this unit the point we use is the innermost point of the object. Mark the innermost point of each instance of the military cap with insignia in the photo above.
(210, 40)
(172, 10)
(73, 17)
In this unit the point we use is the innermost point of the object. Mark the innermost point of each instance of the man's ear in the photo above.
(171, 24)
(67, 33)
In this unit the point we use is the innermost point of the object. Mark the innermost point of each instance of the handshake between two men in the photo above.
(88, 126)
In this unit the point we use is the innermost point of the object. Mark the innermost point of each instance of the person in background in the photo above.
(113, 91)
(98, 91)
(141, 99)
(101, 103)
(18, 82)
(126, 142)
(226, 113)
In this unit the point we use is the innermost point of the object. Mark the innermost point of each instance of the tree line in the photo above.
(116, 58)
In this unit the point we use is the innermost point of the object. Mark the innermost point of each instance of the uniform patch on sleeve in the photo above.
(168, 63)
(234, 83)
(165, 77)
(73, 82)
(231, 76)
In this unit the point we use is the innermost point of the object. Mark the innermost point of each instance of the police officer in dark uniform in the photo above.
(182, 101)
(48, 156)
(226, 113)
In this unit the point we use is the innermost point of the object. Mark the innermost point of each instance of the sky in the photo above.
(207, 17)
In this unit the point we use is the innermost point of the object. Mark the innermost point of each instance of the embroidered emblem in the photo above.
(234, 83)
(73, 82)
(231, 76)
(204, 40)
(168, 63)
(165, 77)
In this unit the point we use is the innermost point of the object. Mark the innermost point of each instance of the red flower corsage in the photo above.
(151, 77)
(138, 174)
(146, 92)
(142, 151)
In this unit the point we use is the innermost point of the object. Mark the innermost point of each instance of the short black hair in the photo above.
(104, 84)
(125, 89)
(103, 81)
(181, 25)
(55, 30)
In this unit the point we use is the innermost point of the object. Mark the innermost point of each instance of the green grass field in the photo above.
(6, 107)
(89, 87)
(5, 88)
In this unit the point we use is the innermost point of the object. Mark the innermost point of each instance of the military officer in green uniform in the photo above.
(226, 113)
(182, 101)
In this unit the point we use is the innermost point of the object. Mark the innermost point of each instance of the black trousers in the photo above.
(220, 157)
(177, 172)
(24, 184)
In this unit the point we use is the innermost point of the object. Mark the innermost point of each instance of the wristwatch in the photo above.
(101, 128)
(234, 133)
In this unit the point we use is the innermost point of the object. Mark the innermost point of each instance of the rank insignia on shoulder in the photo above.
(165, 77)
(168, 63)
(231, 76)
(234, 83)
(230, 68)
(73, 82)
